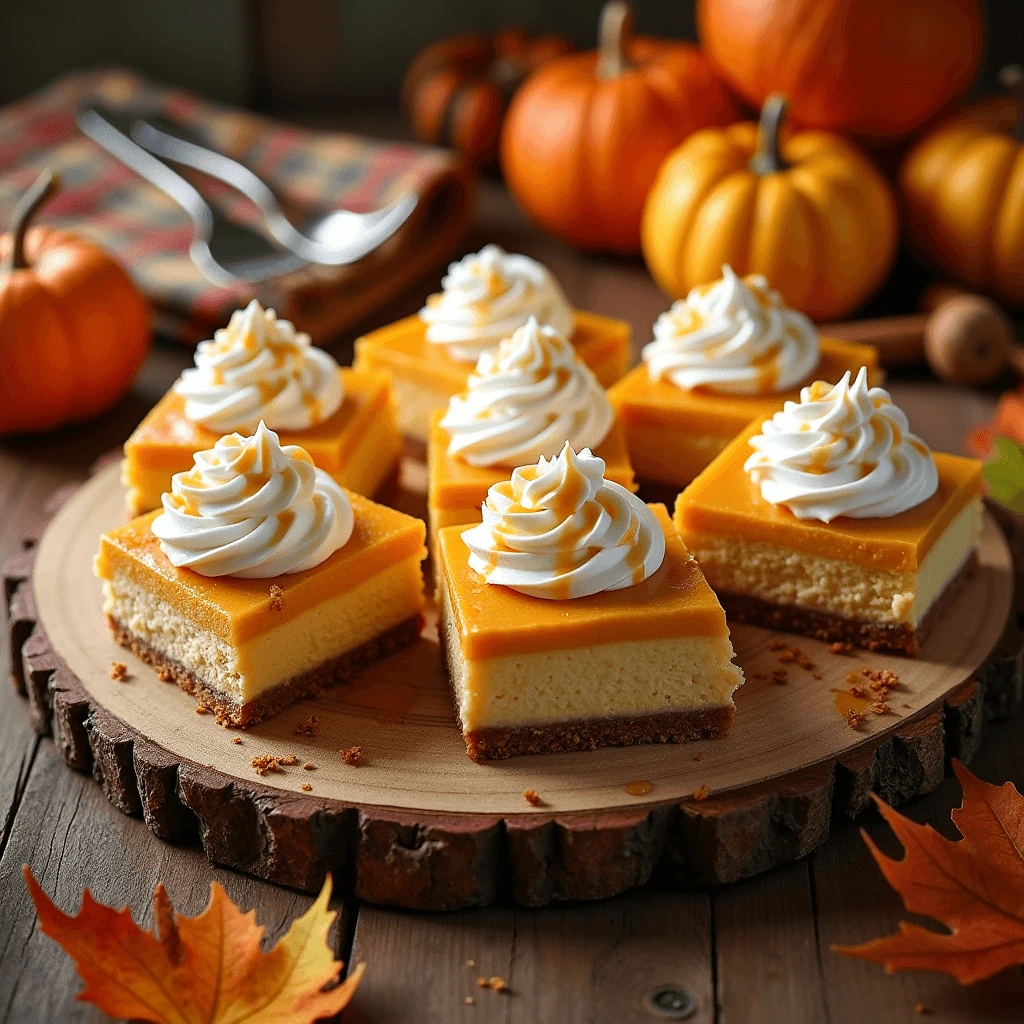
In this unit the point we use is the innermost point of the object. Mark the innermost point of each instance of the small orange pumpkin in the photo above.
(963, 189)
(456, 89)
(878, 69)
(807, 210)
(585, 135)
(74, 329)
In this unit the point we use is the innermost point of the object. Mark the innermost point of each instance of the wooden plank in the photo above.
(853, 904)
(599, 962)
(766, 950)
(72, 837)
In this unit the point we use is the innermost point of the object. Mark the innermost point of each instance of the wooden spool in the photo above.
(419, 825)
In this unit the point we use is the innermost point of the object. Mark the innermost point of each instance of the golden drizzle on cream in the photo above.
(260, 368)
(842, 450)
(485, 296)
(735, 336)
(254, 509)
(558, 530)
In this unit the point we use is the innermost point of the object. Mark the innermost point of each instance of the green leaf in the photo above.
(1004, 474)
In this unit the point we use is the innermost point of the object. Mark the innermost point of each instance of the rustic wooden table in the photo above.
(754, 951)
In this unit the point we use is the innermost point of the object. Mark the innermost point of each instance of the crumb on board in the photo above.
(471, 963)
(276, 597)
(701, 793)
(202, 709)
(498, 984)
(306, 788)
(854, 719)
(481, 982)
(698, 757)
(469, 1000)
(308, 727)
(532, 797)
(236, 739)
(267, 763)
(118, 671)
(776, 645)
(840, 647)
(922, 1009)
(165, 675)
(780, 677)
(351, 755)
(309, 766)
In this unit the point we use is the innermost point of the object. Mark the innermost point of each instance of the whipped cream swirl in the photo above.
(736, 337)
(252, 508)
(559, 530)
(842, 450)
(260, 368)
(486, 296)
(527, 398)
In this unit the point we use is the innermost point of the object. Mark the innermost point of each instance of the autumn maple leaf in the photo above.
(199, 970)
(974, 886)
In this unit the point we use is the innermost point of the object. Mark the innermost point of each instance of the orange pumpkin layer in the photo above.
(359, 445)
(424, 376)
(723, 501)
(673, 434)
(494, 621)
(239, 609)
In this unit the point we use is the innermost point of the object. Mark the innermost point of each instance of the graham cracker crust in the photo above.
(898, 638)
(307, 684)
(620, 731)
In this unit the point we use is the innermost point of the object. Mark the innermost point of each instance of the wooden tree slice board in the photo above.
(419, 824)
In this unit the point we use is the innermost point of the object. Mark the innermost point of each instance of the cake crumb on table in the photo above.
(308, 727)
(854, 719)
(202, 709)
(481, 982)
(288, 759)
(165, 675)
(698, 757)
(306, 787)
(351, 755)
(532, 797)
(309, 766)
(471, 963)
(780, 676)
(118, 671)
(840, 647)
(701, 793)
(236, 739)
(776, 645)
(922, 1009)
(498, 984)
(469, 1000)
(266, 763)
(276, 597)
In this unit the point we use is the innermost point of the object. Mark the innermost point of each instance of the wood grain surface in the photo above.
(754, 951)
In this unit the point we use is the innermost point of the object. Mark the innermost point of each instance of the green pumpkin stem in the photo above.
(1011, 78)
(767, 159)
(614, 32)
(44, 187)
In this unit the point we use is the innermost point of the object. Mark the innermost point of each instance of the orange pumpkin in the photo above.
(456, 90)
(808, 210)
(874, 68)
(585, 135)
(962, 187)
(74, 329)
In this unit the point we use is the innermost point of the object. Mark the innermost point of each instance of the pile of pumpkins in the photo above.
(640, 145)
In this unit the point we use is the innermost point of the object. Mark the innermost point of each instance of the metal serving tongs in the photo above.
(224, 251)
(335, 238)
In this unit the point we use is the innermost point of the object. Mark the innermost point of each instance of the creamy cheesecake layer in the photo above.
(605, 680)
(832, 586)
(245, 671)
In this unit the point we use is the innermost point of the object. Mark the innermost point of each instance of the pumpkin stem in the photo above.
(767, 159)
(612, 36)
(45, 186)
(1011, 78)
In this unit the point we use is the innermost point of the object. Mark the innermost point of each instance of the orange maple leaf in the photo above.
(199, 970)
(974, 886)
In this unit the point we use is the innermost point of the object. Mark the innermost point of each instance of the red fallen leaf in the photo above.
(207, 969)
(975, 887)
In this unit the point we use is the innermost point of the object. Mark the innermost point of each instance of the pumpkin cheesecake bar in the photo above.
(262, 580)
(573, 618)
(484, 298)
(257, 369)
(525, 399)
(832, 520)
(729, 353)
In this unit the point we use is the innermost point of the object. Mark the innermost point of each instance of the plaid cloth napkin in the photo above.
(107, 202)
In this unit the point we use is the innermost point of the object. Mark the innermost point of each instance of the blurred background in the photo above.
(321, 56)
